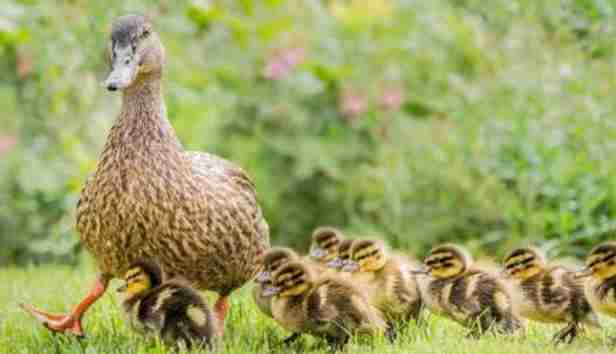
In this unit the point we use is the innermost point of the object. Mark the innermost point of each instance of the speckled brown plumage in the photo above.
(193, 212)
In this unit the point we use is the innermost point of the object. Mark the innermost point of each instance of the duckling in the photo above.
(325, 241)
(391, 286)
(546, 293)
(344, 255)
(600, 287)
(472, 297)
(170, 309)
(328, 306)
(273, 259)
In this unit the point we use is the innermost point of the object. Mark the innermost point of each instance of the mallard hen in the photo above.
(193, 213)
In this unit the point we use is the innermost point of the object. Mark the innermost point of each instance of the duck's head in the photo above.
(366, 256)
(141, 277)
(447, 261)
(135, 52)
(344, 255)
(524, 263)
(273, 259)
(292, 279)
(601, 262)
(325, 241)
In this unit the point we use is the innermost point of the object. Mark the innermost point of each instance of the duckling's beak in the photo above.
(336, 263)
(270, 291)
(123, 68)
(584, 273)
(122, 288)
(350, 266)
(318, 253)
(420, 271)
(263, 276)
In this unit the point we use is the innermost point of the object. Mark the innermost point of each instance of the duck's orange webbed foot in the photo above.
(221, 308)
(70, 323)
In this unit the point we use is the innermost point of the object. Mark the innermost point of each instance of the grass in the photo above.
(59, 287)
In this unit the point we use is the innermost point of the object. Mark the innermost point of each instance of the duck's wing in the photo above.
(213, 165)
(318, 308)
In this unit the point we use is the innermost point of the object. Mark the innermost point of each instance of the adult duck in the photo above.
(193, 213)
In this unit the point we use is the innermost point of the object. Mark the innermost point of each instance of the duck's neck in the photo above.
(143, 121)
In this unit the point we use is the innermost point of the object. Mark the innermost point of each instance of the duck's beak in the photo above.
(584, 273)
(122, 288)
(123, 68)
(350, 266)
(336, 263)
(420, 271)
(318, 253)
(270, 291)
(263, 276)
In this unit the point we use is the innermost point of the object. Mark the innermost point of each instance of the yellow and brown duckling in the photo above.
(600, 287)
(329, 306)
(546, 293)
(170, 309)
(344, 255)
(454, 288)
(273, 259)
(325, 242)
(390, 285)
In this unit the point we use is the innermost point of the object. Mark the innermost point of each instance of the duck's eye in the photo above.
(145, 33)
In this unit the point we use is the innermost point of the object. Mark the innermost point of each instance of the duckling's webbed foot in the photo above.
(70, 323)
(567, 334)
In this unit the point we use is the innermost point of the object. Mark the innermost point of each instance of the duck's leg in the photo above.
(221, 308)
(567, 334)
(70, 323)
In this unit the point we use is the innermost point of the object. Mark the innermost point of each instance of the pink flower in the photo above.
(352, 104)
(293, 56)
(6, 143)
(282, 64)
(392, 98)
(275, 70)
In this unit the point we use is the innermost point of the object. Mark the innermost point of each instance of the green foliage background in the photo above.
(505, 134)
